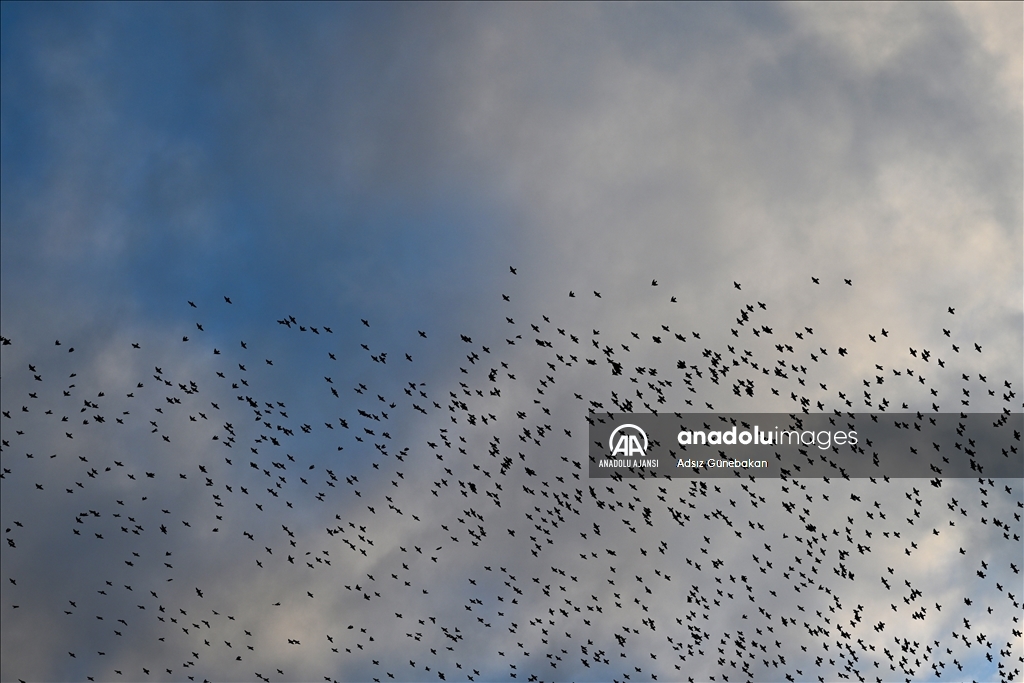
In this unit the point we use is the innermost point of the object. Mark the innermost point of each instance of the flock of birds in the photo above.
(324, 501)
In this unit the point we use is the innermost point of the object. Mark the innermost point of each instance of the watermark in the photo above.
(625, 441)
(823, 439)
(841, 445)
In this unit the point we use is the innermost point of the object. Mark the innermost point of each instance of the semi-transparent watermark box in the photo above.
(846, 445)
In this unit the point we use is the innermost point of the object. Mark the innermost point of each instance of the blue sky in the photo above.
(188, 164)
(390, 162)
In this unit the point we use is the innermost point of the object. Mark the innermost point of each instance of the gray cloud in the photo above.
(391, 163)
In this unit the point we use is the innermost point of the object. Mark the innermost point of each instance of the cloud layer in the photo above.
(389, 163)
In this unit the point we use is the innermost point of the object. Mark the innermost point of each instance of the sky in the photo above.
(392, 163)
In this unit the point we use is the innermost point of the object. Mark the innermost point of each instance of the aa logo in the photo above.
(629, 441)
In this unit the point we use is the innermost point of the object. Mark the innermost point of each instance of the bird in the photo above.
(520, 525)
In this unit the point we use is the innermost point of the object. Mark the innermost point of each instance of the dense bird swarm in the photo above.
(323, 500)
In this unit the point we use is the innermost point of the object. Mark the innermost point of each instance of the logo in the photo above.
(628, 442)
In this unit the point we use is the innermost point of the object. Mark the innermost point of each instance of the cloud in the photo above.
(390, 163)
